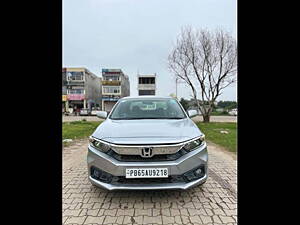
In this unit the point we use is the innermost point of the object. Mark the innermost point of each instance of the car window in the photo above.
(148, 109)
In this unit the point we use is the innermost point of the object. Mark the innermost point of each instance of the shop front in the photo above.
(76, 102)
(64, 103)
(108, 102)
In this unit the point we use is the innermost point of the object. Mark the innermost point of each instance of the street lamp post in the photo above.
(176, 81)
(176, 85)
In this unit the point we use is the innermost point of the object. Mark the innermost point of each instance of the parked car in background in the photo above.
(194, 108)
(84, 112)
(95, 111)
(147, 143)
(233, 112)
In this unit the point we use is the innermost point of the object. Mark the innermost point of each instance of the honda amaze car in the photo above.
(147, 143)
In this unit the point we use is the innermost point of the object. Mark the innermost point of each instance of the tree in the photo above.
(184, 103)
(227, 104)
(172, 95)
(207, 62)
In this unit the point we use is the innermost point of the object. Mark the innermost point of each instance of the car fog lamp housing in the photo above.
(190, 146)
(99, 145)
(194, 174)
(198, 172)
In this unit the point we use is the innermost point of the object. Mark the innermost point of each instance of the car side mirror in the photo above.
(192, 113)
(102, 114)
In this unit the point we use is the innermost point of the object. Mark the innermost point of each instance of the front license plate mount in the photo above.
(147, 173)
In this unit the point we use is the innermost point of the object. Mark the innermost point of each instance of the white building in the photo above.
(115, 85)
(147, 84)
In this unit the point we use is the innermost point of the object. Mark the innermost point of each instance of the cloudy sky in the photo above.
(137, 35)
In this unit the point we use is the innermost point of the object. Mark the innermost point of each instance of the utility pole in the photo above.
(177, 82)
(176, 85)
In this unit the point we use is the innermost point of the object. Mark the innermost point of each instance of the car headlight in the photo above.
(99, 145)
(190, 146)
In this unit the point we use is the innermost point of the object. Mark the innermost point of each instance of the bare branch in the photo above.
(207, 60)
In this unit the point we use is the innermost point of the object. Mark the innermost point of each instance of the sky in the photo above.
(138, 35)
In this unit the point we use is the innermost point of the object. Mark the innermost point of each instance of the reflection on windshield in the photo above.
(131, 109)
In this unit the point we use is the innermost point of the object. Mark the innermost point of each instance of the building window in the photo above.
(75, 76)
(146, 92)
(110, 90)
(146, 80)
(75, 91)
(111, 78)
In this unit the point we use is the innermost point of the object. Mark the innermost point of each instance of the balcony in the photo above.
(146, 86)
(111, 82)
(75, 83)
(110, 94)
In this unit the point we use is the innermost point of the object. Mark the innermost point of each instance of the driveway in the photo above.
(215, 202)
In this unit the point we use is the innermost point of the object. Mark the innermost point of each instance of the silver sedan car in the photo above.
(147, 143)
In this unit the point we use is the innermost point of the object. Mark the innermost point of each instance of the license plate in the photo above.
(147, 173)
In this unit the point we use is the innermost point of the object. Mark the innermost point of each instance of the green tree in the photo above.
(227, 104)
(184, 103)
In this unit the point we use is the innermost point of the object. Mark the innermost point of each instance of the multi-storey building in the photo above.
(64, 89)
(115, 85)
(147, 84)
(81, 89)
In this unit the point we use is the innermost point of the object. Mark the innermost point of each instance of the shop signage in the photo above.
(109, 99)
(75, 96)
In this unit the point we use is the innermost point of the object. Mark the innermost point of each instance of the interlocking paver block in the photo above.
(227, 219)
(143, 212)
(206, 219)
(76, 220)
(110, 219)
(212, 203)
(72, 212)
(168, 219)
(94, 220)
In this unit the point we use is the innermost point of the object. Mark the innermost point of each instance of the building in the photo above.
(81, 89)
(64, 89)
(146, 84)
(115, 85)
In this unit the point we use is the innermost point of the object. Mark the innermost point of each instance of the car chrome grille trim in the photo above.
(158, 149)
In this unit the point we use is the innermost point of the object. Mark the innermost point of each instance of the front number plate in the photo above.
(147, 173)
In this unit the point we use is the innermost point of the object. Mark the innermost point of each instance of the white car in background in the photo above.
(83, 112)
(95, 111)
(233, 112)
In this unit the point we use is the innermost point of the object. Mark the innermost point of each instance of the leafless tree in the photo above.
(207, 62)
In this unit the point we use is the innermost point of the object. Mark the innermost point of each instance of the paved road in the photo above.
(215, 202)
(197, 118)
(217, 119)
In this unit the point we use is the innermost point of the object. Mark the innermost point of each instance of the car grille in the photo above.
(155, 158)
(171, 179)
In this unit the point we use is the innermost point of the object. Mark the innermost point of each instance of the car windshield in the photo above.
(147, 109)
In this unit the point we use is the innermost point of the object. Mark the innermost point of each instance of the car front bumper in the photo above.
(184, 164)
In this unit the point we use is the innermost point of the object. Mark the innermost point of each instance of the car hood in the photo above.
(147, 131)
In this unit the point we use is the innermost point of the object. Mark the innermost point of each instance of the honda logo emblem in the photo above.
(147, 152)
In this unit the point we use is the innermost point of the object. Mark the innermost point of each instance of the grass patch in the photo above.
(213, 133)
(219, 114)
(78, 129)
